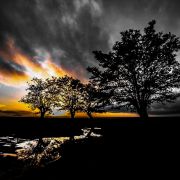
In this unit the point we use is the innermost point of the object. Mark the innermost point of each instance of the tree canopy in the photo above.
(92, 99)
(38, 97)
(69, 94)
(141, 69)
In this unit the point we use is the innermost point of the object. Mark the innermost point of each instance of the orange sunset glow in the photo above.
(104, 115)
(32, 68)
(18, 77)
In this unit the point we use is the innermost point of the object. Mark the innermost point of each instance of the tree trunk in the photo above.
(42, 114)
(72, 117)
(92, 128)
(89, 115)
(143, 112)
(143, 115)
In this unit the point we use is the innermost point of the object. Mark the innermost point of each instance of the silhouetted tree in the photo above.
(141, 69)
(69, 94)
(92, 100)
(38, 97)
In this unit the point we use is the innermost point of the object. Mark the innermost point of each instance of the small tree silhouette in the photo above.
(38, 97)
(141, 69)
(69, 94)
(92, 100)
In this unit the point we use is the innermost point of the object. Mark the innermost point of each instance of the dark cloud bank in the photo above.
(69, 30)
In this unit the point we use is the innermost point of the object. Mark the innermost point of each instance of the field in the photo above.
(127, 147)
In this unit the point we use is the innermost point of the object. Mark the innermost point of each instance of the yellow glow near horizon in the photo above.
(13, 105)
(103, 115)
(16, 106)
(2, 105)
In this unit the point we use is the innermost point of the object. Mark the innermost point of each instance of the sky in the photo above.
(44, 38)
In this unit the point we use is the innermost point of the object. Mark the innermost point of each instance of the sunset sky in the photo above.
(44, 38)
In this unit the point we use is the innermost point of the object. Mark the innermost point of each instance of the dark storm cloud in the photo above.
(10, 68)
(140, 11)
(13, 24)
(68, 30)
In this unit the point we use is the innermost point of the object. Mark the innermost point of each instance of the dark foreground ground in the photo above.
(130, 147)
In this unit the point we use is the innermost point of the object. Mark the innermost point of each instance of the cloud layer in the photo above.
(68, 31)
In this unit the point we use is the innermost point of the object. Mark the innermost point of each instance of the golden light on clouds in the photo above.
(30, 67)
(52, 69)
(13, 79)
(18, 68)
